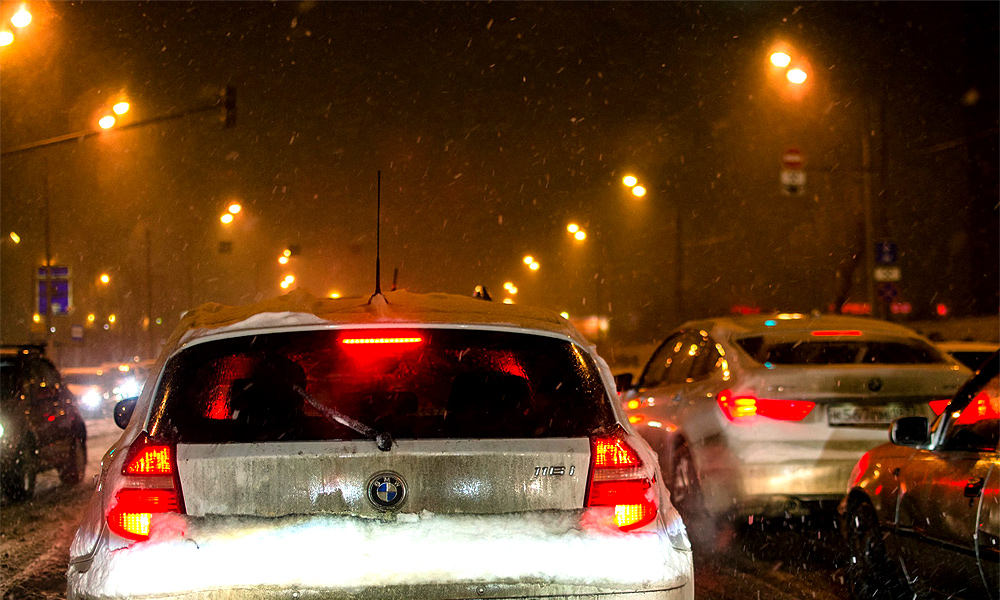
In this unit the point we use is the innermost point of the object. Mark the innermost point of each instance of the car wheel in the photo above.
(72, 470)
(19, 479)
(686, 496)
(871, 574)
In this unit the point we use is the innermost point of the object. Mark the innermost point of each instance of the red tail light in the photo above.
(401, 339)
(744, 406)
(978, 409)
(617, 480)
(151, 486)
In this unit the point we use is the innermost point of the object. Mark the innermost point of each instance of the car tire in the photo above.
(871, 574)
(686, 496)
(19, 479)
(71, 472)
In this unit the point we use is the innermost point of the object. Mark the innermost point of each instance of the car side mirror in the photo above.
(123, 411)
(910, 431)
(623, 381)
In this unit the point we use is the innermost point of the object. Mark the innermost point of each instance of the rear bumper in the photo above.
(491, 591)
(437, 557)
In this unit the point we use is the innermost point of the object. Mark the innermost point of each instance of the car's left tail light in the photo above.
(151, 486)
(619, 479)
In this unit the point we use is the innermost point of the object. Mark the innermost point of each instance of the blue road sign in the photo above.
(60, 290)
(886, 252)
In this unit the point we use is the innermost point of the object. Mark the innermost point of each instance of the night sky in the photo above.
(494, 126)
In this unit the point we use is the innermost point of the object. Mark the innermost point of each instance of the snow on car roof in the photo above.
(300, 308)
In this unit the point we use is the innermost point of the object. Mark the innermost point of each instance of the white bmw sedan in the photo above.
(419, 446)
(767, 415)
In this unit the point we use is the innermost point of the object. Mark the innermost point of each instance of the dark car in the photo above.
(40, 426)
(922, 513)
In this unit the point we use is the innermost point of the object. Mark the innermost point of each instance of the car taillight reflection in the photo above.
(743, 407)
(617, 480)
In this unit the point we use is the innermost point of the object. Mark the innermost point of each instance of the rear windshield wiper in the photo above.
(383, 439)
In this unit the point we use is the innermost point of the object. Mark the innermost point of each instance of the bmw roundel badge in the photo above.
(386, 490)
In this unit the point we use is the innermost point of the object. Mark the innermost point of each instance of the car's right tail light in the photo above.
(151, 486)
(979, 408)
(619, 479)
(743, 407)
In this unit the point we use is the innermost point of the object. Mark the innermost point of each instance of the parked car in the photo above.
(425, 446)
(766, 415)
(970, 354)
(922, 513)
(40, 426)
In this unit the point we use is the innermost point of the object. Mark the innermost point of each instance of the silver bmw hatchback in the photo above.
(767, 415)
(418, 446)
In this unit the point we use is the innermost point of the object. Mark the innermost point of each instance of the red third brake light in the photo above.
(741, 407)
(390, 340)
(836, 332)
(617, 479)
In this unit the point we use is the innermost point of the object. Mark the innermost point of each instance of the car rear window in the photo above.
(784, 351)
(449, 384)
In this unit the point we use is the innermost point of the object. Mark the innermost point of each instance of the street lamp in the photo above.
(105, 278)
(16, 238)
(226, 218)
(796, 76)
(121, 108)
(6, 38)
(21, 18)
(106, 122)
(780, 60)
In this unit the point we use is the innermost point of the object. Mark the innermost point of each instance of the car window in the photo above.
(977, 426)
(692, 347)
(656, 369)
(8, 378)
(709, 360)
(450, 384)
(782, 350)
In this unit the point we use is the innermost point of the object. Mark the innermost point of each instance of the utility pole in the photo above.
(149, 297)
(48, 261)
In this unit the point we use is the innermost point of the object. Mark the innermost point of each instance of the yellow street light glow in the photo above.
(112, 318)
(534, 266)
(226, 218)
(780, 59)
(91, 318)
(528, 259)
(6, 38)
(121, 108)
(289, 278)
(21, 18)
(282, 260)
(512, 290)
(286, 253)
(284, 285)
(564, 315)
(638, 191)
(15, 237)
(508, 301)
(105, 278)
(796, 76)
(107, 122)
(37, 318)
(507, 285)
(580, 235)
(572, 228)
(235, 208)
(335, 294)
(629, 180)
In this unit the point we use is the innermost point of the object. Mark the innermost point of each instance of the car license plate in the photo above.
(879, 415)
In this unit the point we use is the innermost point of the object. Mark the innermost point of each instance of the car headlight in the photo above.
(92, 399)
(1, 430)
(128, 389)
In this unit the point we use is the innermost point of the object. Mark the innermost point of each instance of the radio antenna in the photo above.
(378, 237)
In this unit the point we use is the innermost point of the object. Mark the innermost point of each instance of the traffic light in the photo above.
(228, 101)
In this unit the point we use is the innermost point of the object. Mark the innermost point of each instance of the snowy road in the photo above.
(771, 562)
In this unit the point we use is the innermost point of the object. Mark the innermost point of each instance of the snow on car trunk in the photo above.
(511, 555)
(442, 476)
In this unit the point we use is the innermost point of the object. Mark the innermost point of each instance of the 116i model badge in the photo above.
(386, 490)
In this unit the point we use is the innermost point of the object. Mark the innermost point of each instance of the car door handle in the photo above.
(974, 487)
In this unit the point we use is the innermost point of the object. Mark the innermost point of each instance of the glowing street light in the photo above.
(630, 180)
(286, 253)
(534, 266)
(334, 295)
(528, 259)
(507, 285)
(91, 318)
(106, 122)
(796, 76)
(282, 260)
(580, 235)
(508, 301)
(21, 18)
(112, 318)
(235, 208)
(105, 278)
(780, 59)
(6, 38)
(226, 218)
(36, 318)
(638, 191)
(572, 228)
(564, 315)
(121, 108)
(15, 237)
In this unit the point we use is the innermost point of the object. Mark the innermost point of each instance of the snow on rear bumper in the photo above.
(418, 556)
